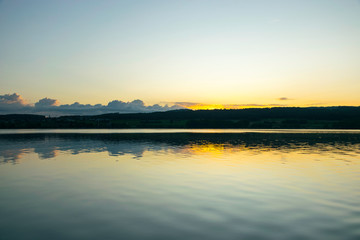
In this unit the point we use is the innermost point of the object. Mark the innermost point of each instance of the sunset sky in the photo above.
(195, 53)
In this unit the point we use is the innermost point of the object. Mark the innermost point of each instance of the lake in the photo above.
(179, 184)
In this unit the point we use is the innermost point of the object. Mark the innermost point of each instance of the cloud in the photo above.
(317, 104)
(13, 103)
(46, 102)
(9, 102)
(284, 99)
(187, 104)
(12, 99)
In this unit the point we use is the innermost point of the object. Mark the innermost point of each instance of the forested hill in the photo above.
(284, 117)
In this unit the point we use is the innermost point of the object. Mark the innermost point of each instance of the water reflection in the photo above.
(14, 146)
(180, 186)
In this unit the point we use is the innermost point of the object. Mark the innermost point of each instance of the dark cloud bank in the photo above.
(14, 103)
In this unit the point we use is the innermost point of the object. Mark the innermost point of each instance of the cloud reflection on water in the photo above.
(14, 147)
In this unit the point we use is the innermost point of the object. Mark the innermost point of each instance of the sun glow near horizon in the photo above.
(212, 54)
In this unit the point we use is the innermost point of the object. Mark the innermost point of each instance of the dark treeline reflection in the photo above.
(13, 146)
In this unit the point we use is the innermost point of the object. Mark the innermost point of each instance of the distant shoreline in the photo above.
(256, 118)
(177, 131)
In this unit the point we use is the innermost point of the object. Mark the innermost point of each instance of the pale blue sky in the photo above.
(214, 52)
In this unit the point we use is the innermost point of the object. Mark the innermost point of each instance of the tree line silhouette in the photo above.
(272, 118)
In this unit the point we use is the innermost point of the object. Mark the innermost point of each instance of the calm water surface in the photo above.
(192, 184)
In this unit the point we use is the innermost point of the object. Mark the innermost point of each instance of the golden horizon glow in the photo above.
(235, 107)
(224, 107)
(245, 53)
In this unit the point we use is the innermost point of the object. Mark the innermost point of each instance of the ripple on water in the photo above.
(180, 186)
